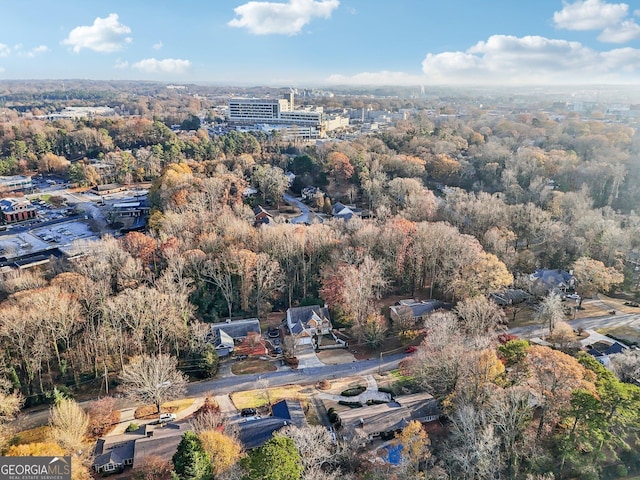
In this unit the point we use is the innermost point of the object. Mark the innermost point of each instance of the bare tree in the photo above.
(550, 311)
(153, 379)
(626, 365)
(479, 316)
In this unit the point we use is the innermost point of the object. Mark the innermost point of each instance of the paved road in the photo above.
(592, 323)
(304, 376)
(238, 383)
(305, 216)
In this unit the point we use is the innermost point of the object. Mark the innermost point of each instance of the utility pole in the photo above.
(380, 364)
(106, 379)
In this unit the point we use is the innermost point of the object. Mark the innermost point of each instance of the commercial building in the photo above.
(16, 210)
(305, 123)
(15, 183)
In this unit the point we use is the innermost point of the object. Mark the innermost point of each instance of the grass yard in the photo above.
(628, 335)
(258, 398)
(252, 365)
(177, 405)
(38, 434)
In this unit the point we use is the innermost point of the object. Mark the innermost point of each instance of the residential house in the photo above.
(417, 310)
(16, 210)
(510, 296)
(226, 335)
(113, 453)
(602, 350)
(345, 212)
(309, 193)
(306, 322)
(254, 433)
(388, 418)
(262, 216)
(546, 280)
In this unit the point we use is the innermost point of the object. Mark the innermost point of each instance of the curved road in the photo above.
(305, 217)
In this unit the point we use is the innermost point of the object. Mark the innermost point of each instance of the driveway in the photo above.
(307, 357)
(305, 216)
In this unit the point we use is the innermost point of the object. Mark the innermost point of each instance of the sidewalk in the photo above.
(126, 416)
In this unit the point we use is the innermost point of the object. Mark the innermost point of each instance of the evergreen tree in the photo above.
(191, 462)
(278, 459)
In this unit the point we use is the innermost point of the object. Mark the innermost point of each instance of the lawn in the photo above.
(38, 434)
(625, 334)
(258, 398)
(252, 365)
(177, 405)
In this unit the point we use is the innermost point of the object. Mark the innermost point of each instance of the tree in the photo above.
(152, 468)
(479, 316)
(153, 379)
(102, 416)
(191, 462)
(626, 365)
(277, 459)
(415, 444)
(339, 166)
(315, 446)
(223, 451)
(554, 376)
(69, 424)
(271, 181)
(592, 276)
(550, 311)
(49, 449)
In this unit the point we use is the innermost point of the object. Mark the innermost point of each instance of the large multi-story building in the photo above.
(273, 111)
(305, 123)
(16, 210)
(15, 183)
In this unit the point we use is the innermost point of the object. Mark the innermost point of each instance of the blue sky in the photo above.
(323, 42)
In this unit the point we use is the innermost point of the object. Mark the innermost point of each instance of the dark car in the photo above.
(277, 351)
(274, 333)
(248, 412)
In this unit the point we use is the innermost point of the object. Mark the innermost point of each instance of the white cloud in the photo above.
(37, 51)
(158, 45)
(4, 50)
(590, 15)
(504, 59)
(105, 35)
(168, 65)
(121, 64)
(383, 77)
(264, 18)
(622, 33)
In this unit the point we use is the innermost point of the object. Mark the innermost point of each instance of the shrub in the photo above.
(324, 384)
(373, 401)
(145, 411)
(350, 404)
(353, 392)
(132, 427)
(385, 390)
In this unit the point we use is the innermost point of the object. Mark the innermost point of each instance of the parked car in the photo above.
(410, 349)
(166, 417)
(573, 296)
(276, 341)
(248, 412)
(277, 351)
(274, 333)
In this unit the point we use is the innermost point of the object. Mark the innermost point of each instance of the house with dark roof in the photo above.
(602, 350)
(113, 453)
(388, 418)
(546, 280)
(417, 310)
(225, 335)
(262, 216)
(306, 322)
(253, 433)
(510, 296)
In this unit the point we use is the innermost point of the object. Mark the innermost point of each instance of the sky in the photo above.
(318, 43)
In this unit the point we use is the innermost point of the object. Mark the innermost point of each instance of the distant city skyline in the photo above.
(324, 42)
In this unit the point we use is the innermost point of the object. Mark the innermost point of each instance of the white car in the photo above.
(166, 417)
(573, 296)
